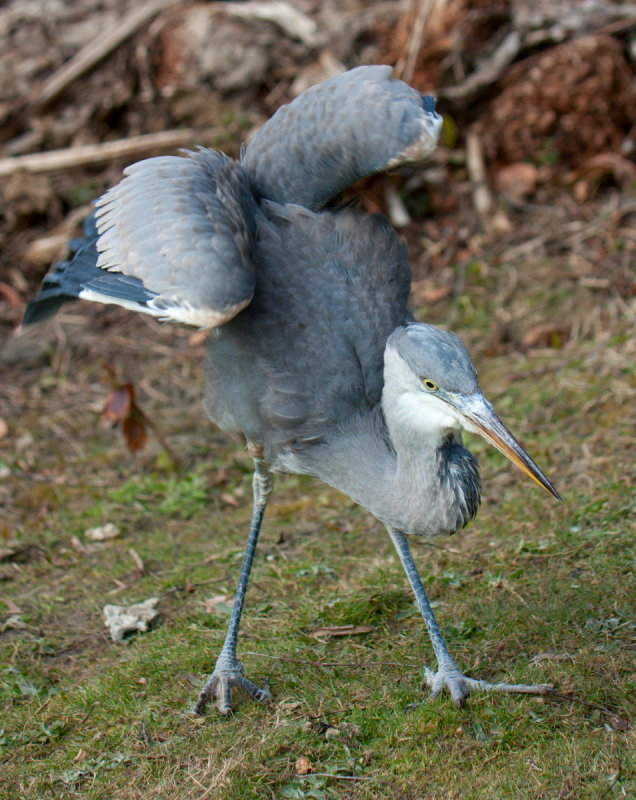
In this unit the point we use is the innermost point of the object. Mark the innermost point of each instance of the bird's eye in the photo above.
(427, 383)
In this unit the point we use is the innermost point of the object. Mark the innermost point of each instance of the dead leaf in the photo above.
(230, 500)
(76, 544)
(14, 622)
(289, 705)
(212, 603)
(118, 403)
(350, 730)
(121, 407)
(4, 428)
(341, 630)
(551, 657)
(517, 181)
(134, 429)
(11, 607)
(102, 533)
(141, 567)
(618, 723)
(10, 295)
(303, 766)
(423, 292)
(548, 335)
(197, 338)
(620, 168)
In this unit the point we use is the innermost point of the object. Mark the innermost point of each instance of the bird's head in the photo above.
(431, 390)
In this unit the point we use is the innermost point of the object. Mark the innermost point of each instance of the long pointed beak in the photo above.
(480, 417)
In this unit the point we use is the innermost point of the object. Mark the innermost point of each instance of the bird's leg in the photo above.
(228, 671)
(448, 673)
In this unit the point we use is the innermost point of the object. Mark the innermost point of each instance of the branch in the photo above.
(98, 49)
(101, 153)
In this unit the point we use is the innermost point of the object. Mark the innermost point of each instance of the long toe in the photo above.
(460, 687)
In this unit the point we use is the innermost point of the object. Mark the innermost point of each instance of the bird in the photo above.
(313, 354)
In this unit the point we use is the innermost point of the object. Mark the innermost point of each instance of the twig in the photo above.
(489, 71)
(406, 66)
(98, 49)
(336, 777)
(289, 19)
(560, 696)
(356, 664)
(160, 437)
(100, 153)
(482, 197)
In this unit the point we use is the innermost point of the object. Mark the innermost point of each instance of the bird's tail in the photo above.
(80, 277)
(66, 279)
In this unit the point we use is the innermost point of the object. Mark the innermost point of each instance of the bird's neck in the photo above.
(410, 481)
(437, 477)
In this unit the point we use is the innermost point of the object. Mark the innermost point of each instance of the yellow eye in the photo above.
(429, 384)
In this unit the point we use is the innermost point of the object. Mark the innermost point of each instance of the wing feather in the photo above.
(184, 227)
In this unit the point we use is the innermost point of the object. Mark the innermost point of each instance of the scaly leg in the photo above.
(448, 673)
(228, 671)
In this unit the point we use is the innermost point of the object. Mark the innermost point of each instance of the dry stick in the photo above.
(98, 49)
(492, 68)
(289, 19)
(336, 777)
(100, 153)
(406, 65)
(489, 71)
(356, 664)
(482, 197)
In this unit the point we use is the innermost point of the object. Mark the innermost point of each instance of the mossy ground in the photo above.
(532, 591)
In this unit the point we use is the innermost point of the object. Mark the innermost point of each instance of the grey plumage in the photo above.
(343, 129)
(315, 356)
(185, 228)
(315, 273)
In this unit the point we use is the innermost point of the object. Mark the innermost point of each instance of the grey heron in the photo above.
(314, 356)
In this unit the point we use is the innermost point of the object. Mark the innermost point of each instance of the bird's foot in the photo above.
(220, 684)
(449, 676)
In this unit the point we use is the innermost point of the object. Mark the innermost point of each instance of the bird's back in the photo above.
(307, 353)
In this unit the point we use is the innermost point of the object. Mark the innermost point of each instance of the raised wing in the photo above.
(352, 125)
(183, 227)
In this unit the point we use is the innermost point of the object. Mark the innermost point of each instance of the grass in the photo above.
(532, 591)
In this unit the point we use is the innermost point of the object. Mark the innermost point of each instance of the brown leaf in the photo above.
(118, 403)
(76, 544)
(303, 766)
(516, 181)
(423, 292)
(10, 295)
(212, 603)
(618, 723)
(197, 338)
(12, 608)
(621, 168)
(141, 567)
(134, 430)
(548, 335)
(340, 630)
